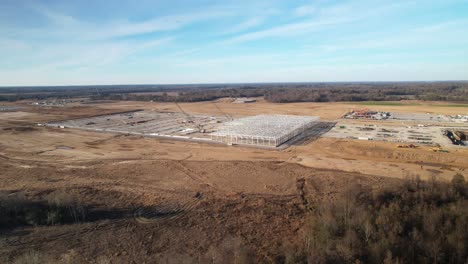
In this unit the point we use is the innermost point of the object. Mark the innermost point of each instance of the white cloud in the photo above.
(66, 42)
(334, 15)
(305, 10)
(57, 18)
(168, 23)
(437, 34)
(446, 25)
(71, 50)
(245, 25)
(289, 29)
(65, 26)
(49, 58)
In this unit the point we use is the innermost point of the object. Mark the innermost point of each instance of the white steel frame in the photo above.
(263, 130)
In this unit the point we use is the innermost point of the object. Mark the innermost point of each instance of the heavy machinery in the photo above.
(456, 137)
(407, 146)
(438, 149)
(221, 111)
(190, 120)
(462, 135)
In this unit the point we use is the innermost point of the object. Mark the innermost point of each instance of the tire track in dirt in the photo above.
(196, 177)
(21, 241)
(162, 214)
(304, 196)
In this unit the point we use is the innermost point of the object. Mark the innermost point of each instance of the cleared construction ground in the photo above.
(269, 131)
(9, 108)
(260, 131)
(148, 123)
(415, 128)
(368, 114)
(406, 134)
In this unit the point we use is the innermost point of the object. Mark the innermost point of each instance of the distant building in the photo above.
(9, 108)
(244, 100)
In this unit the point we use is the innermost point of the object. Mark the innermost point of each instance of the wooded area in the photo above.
(414, 222)
(277, 93)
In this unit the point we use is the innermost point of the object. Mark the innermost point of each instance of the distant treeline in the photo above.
(372, 92)
(277, 93)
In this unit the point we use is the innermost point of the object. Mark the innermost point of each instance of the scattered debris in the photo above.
(365, 113)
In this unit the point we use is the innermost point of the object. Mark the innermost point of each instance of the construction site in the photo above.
(9, 108)
(261, 130)
(412, 128)
(367, 114)
(155, 177)
(148, 123)
(426, 135)
(274, 130)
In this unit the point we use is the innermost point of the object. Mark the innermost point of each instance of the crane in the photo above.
(221, 111)
(189, 118)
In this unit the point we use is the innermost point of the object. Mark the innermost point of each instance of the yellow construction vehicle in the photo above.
(438, 149)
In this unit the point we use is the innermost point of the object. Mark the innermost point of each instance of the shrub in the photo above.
(459, 183)
(412, 223)
(31, 257)
(68, 208)
(60, 208)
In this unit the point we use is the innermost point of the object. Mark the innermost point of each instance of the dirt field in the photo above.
(327, 111)
(159, 201)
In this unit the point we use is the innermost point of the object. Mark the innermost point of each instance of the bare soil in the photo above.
(164, 201)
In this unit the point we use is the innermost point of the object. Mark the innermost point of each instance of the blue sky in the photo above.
(117, 42)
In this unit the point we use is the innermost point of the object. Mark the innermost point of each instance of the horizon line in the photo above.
(229, 83)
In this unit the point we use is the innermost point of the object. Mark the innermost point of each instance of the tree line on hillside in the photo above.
(276, 93)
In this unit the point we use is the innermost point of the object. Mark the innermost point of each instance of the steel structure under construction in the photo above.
(263, 130)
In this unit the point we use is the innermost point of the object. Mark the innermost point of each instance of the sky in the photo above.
(55, 42)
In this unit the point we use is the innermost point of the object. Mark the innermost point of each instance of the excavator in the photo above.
(407, 146)
(435, 149)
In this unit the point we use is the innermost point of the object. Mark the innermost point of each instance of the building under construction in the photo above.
(263, 130)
